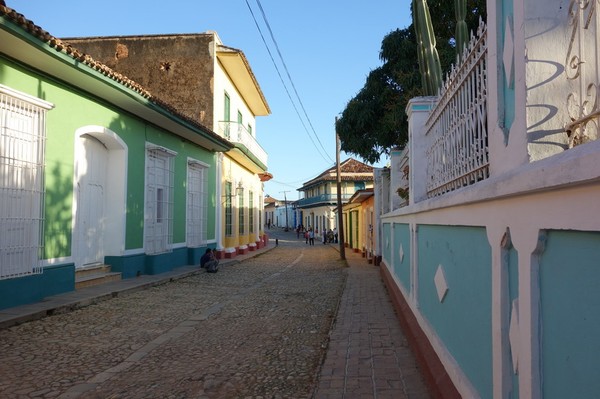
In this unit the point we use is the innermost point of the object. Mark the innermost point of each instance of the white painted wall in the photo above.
(535, 183)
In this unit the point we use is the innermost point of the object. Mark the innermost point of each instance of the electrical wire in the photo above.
(286, 89)
(313, 176)
(289, 76)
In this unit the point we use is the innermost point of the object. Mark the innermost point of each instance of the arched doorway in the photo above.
(99, 195)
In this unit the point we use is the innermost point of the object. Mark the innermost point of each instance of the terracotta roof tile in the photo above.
(351, 170)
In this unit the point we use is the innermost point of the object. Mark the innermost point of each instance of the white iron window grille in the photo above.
(458, 155)
(197, 204)
(22, 150)
(158, 223)
(260, 211)
(251, 212)
(583, 68)
(228, 209)
(242, 226)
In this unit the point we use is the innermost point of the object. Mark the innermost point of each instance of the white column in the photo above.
(500, 242)
(418, 110)
(219, 201)
(529, 242)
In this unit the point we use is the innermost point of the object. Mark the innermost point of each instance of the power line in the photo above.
(286, 89)
(289, 76)
(290, 184)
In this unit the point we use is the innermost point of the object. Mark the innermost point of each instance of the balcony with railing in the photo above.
(244, 141)
(322, 199)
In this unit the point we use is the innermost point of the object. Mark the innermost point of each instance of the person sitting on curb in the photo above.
(209, 261)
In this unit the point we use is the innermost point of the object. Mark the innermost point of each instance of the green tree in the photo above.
(374, 121)
(429, 60)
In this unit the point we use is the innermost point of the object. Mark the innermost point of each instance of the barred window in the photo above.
(228, 210)
(260, 213)
(22, 150)
(242, 227)
(158, 221)
(197, 203)
(251, 212)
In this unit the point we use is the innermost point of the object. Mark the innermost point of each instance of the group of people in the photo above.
(309, 234)
(210, 262)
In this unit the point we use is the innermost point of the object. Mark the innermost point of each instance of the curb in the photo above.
(73, 300)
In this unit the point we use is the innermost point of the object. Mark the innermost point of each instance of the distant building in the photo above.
(284, 215)
(269, 210)
(316, 208)
(359, 223)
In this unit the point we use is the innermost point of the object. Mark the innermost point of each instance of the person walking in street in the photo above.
(311, 237)
(306, 235)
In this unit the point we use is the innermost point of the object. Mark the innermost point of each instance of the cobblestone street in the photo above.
(258, 328)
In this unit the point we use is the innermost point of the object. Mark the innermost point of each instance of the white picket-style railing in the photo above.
(237, 133)
(457, 126)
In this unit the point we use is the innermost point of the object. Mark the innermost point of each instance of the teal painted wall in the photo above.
(161, 263)
(402, 267)
(463, 321)
(129, 266)
(386, 242)
(507, 92)
(570, 320)
(34, 288)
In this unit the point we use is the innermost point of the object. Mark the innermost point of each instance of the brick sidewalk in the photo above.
(368, 355)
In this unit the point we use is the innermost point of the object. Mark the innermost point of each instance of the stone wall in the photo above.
(178, 69)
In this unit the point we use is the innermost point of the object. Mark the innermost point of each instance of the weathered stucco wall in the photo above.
(178, 69)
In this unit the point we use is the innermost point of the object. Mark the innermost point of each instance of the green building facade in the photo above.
(95, 170)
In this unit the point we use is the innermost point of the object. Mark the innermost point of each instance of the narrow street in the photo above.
(256, 329)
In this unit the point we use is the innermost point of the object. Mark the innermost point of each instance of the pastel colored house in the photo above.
(269, 210)
(359, 224)
(316, 207)
(494, 262)
(284, 215)
(213, 85)
(97, 172)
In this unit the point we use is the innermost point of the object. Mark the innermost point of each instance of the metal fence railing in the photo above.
(457, 126)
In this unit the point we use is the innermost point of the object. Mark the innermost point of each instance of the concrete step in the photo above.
(95, 275)
(92, 269)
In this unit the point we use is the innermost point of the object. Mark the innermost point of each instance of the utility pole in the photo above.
(287, 228)
(339, 194)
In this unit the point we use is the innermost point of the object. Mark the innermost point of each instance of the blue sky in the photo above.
(329, 47)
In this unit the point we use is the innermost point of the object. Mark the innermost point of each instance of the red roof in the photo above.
(350, 169)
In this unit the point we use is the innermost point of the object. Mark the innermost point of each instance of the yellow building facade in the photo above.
(359, 224)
